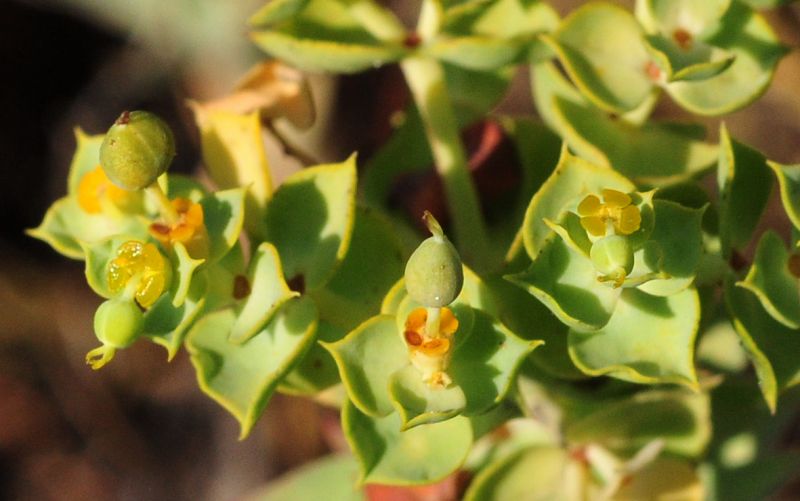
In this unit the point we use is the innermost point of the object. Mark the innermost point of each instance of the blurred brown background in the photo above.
(140, 428)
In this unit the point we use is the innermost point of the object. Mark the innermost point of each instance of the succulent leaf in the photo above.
(242, 377)
(421, 455)
(648, 339)
(310, 221)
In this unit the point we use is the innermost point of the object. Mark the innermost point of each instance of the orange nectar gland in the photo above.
(143, 263)
(95, 190)
(615, 211)
(189, 229)
(431, 353)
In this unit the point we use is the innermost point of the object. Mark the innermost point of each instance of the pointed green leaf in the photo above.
(649, 339)
(391, 302)
(331, 477)
(66, 227)
(177, 185)
(673, 250)
(421, 455)
(745, 184)
(603, 49)
(789, 182)
(418, 404)
(653, 153)
(771, 346)
(367, 358)
(565, 281)
(166, 324)
(535, 473)
(276, 11)
(528, 318)
(223, 213)
(486, 364)
(681, 418)
(667, 16)
(373, 262)
(222, 278)
(772, 281)
(500, 19)
(242, 377)
(474, 52)
(324, 36)
(704, 70)
(317, 371)
(310, 221)
(746, 35)
(233, 152)
(572, 179)
(324, 55)
(268, 292)
(85, 159)
(184, 268)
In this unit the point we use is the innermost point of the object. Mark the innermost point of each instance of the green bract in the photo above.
(137, 149)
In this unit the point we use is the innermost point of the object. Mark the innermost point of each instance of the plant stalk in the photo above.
(425, 77)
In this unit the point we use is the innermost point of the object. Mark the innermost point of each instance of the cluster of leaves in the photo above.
(611, 259)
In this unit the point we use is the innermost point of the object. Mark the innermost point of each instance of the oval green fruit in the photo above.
(612, 256)
(118, 322)
(434, 275)
(136, 150)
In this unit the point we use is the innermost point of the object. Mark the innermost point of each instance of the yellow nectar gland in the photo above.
(144, 263)
(430, 353)
(615, 210)
(189, 229)
(95, 189)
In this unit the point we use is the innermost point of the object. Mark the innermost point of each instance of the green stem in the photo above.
(163, 203)
(425, 77)
(432, 322)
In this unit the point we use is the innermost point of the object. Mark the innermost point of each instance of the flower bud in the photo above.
(136, 150)
(434, 275)
(612, 257)
(118, 322)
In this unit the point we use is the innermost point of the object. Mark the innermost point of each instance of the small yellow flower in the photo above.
(142, 267)
(95, 190)
(616, 211)
(189, 229)
(430, 352)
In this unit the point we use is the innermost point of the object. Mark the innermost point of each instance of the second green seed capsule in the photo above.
(434, 274)
(136, 150)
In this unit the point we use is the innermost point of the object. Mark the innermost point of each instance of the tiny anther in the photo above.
(683, 38)
(241, 287)
(125, 118)
(413, 338)
(794, 265)
(160, 228)
(297, 283)
(652, 70)
(412, 40)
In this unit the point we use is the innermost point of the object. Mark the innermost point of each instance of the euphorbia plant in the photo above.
(609, 263)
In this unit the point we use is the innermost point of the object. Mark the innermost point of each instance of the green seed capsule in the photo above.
(136, 150)
(612, 257)
(434, 275)
(118, 322)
